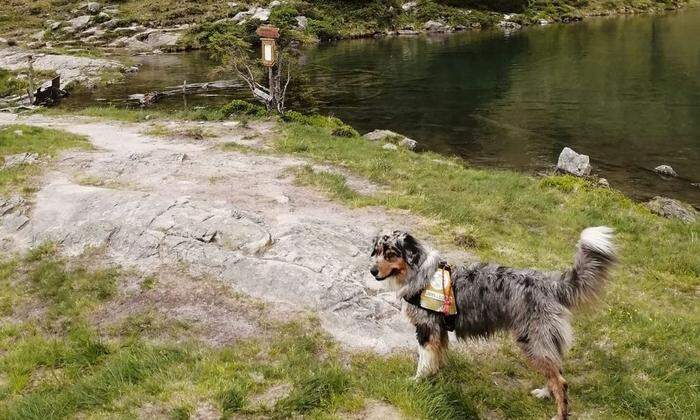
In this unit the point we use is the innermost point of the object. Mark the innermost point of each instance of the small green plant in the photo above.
(345, 131)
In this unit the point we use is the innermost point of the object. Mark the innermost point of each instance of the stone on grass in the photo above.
(261, 14)
(574, 163)
(672, 209)
(603, 182)
(275, 3)
(302, 22)
(409, 5)
(392, 137)
(94, 7)
(390, 146)
(665, 170)
(80, 22)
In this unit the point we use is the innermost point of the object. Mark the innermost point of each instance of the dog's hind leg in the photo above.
(432, 349)
(556, 384)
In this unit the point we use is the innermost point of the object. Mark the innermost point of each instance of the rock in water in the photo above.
(574, 163)
(665, 170)
(672, 209)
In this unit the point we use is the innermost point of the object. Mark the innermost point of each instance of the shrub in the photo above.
(345, 131)
(240, 107)
(284, 16)
(323, 29)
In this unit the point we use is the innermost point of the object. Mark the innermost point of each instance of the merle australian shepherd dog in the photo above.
(533, 305)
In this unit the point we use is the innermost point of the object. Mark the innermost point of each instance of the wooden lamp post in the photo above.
(268, 36)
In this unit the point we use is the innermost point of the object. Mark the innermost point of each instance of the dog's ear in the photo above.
(375, 242)
(412, 250)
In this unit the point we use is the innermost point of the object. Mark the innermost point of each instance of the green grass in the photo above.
(46, 142)
(242, 110)
(11, 85)
(56, 364)
(636, 354)
(649, 316)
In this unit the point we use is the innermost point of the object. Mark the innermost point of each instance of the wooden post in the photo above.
(30, 78)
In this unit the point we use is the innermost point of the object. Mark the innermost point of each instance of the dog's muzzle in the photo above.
(375, 273)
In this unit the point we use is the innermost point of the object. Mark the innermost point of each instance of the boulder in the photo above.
(261, 14)
(603, 183)
(302, 22)
(111, 24)
(20, 159)
(80, 22)
(390, 146)
(574, 163)
(434, 26)
(242, 16)
(94, 7)
(665, 170)
(672, 209)
(163, 39)
(275, 3)
(392, 137)
(408, 6)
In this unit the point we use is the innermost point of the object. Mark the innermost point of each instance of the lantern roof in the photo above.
(268, 31)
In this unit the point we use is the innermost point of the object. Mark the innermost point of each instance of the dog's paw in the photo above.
(541, 393)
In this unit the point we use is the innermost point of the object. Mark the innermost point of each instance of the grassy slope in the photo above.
(637, 353)
(328, 18)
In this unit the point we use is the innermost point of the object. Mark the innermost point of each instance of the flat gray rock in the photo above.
(85, 70)
(254, 228)
(80, 22)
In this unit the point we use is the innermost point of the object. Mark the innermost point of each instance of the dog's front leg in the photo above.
(432, 349)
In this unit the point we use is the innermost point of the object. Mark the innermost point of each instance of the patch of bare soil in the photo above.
(180, 307)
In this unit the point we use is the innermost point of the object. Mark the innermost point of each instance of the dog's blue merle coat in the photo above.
(533, 305)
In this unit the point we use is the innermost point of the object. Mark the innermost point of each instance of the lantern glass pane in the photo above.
(267, 52)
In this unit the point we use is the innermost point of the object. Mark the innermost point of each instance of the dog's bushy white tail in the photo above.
(595, 256)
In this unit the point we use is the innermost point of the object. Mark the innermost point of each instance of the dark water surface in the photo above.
(625, 91)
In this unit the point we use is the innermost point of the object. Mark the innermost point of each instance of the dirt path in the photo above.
(152, 203)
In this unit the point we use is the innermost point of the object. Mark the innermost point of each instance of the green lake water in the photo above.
(624, 90)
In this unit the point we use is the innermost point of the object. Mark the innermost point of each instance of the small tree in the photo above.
(279, 76)
(237, 50)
